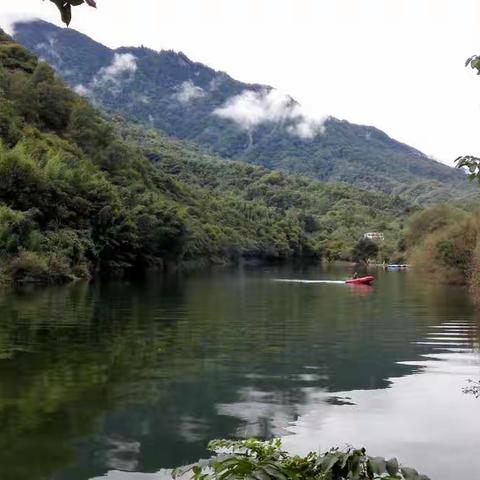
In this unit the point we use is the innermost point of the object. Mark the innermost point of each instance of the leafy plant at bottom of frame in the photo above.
(255, 460)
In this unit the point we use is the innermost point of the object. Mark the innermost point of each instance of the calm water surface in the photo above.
(125, 379)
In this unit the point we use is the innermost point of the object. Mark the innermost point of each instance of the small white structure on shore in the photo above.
(375, 236)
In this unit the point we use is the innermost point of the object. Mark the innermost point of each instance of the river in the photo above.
(122, 379)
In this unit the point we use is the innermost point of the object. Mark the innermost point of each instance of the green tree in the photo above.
(364, 250)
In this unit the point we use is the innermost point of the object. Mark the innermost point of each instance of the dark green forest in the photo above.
(81, 194)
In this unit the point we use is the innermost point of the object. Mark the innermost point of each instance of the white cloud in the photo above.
(49, 53)
(253, 108)
(122, 64)
(122, 68)
(307, 128)
(82, 90)
(188, 91)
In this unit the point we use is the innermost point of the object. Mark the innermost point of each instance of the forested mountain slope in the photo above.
(335, 214)
(76, 198)
(235, 120)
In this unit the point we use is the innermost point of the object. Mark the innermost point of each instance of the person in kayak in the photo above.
(355, 276)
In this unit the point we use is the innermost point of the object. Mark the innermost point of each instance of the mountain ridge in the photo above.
(235, 120)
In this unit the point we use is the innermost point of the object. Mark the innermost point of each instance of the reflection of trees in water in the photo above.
(141, 374)
(62, 363)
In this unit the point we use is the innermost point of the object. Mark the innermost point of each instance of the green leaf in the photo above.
(65, 7)
(274, 472)
(392, 466)
(260, 474)
(329, 461)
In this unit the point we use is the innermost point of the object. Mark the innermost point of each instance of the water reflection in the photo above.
(138, 376)
(363, 290)
(417, 419)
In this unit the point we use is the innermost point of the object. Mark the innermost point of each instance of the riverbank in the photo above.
(31, 268)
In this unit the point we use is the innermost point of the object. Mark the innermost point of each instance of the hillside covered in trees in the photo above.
(253, 123)
(81, 194)
(444, 242)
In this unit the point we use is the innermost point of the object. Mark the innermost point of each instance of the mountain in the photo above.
(253, 123)
(83, 194)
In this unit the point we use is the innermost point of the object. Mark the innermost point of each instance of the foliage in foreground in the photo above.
(65, 7)
(471, 163)
(255, 460)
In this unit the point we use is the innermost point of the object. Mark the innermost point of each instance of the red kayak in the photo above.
(361, 280)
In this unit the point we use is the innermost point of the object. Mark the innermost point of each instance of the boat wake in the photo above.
(294, 280)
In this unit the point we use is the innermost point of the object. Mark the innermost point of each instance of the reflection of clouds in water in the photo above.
(340, 400)
(308, 377)
(192, 429)
(420, 419)
(115, 475)
(265, 414)
(258, 376)
(121, 454)
(269, 412)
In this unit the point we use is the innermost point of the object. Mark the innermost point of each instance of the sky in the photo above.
(395, 64)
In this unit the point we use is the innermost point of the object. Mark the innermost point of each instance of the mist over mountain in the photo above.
(249, 122)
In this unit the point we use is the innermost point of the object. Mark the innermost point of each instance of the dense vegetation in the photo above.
(76, 198)
(251, 459)
(443, 241)
(170, 92)
(334, 216)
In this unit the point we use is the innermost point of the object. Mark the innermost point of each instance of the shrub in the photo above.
(32, 267)
(364, 250)
(28, 267)
(431, 220)
(252, 459)
(447, 251)
(58, 269)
